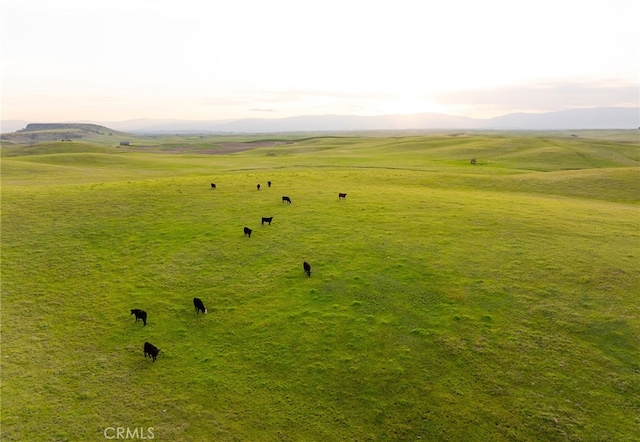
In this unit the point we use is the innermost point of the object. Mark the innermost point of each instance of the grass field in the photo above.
(447, 302)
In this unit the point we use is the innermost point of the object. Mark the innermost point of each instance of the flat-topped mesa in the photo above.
(32, 127)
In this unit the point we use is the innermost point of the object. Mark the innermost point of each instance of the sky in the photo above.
(115, 60)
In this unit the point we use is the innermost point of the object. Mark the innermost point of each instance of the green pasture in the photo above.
(447, 302)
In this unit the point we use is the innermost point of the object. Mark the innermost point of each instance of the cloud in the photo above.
(289, 102)
(542, 97)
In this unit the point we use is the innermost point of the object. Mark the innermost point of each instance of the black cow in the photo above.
(197, 303)
(267, 220)
(247, 232)
(140, 314)
(213, 185)
(287, 199)
(269, 183)
(342, 196)
(258, 186)
(151, 350)
(473, 161)
(307, 268)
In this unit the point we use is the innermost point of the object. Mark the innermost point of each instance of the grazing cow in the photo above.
(307, 268)
(247, 232)
(197, 303)
(151, 350)
(286, 199)
(269, 183)
(213, 185)
(473, 161)
(266, 220)
(140, 314)
(258, 186)
(342, 196)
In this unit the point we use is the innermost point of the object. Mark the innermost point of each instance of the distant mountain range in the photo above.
(575, 119)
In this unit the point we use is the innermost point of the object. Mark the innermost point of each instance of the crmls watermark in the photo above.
(128, 433)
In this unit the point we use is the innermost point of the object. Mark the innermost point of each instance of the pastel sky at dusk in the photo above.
(89, 60)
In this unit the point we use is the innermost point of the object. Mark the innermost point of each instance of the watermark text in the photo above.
(128, 433)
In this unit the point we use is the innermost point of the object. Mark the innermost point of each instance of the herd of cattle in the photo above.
(140, 315)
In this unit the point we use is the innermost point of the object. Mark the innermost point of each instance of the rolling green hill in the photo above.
(36, 133)
(447, 301)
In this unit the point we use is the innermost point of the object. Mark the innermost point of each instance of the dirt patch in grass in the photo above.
(239, 147)
(216, 149)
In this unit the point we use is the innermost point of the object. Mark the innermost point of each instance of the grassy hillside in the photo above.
(447, 301)
(35, 134)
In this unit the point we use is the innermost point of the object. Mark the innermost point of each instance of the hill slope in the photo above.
(41, 132)
(573, 119)
(598, 118)
(447, 301)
